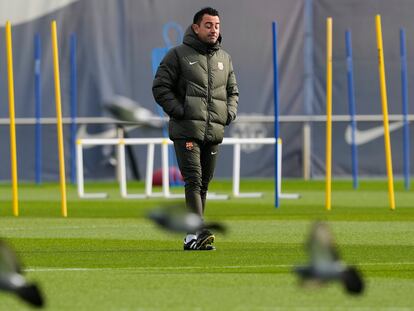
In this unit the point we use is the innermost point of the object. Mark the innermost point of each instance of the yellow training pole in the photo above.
(383, 87)
(59, 119)
(13, 153)
(328, 112)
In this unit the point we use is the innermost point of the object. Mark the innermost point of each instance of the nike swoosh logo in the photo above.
(213, 153)
(366, 136)
(192, 63)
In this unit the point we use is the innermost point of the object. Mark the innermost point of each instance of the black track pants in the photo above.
(197, 162)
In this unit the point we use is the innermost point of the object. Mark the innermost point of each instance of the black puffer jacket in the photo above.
(196, 86)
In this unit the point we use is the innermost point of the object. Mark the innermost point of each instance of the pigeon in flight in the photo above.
(178, 219)
(325, 264)
(12, 280)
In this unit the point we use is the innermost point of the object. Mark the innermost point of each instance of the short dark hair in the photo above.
(199, 15)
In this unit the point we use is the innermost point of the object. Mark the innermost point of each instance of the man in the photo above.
(196, 86)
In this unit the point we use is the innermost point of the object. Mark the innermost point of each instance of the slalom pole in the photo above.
(59, 119)
(351, 104)
(404, 97)
(73, 106)
(276, 111)
(328, 177)
(383, 89)
(38, 110)
(13, 151)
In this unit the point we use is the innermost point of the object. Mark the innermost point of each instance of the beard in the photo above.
(212, 41)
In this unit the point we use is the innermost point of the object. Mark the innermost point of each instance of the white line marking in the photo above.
(51, 269)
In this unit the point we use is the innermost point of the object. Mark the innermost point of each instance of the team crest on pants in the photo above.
(189, 145)
(220, 65)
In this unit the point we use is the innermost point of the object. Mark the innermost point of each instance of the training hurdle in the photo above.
(163, 142)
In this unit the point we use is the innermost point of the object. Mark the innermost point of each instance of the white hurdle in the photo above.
(163, 142)
(237, 142)
(121, 162)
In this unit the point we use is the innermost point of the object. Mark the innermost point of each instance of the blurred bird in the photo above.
(12, 280)
(325, 265)
(178, 219)
(126, 109)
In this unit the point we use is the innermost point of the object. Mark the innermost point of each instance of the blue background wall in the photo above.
(116, 39)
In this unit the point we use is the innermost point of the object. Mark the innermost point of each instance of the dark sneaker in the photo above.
(207, 247)
(202, 243)
(204, 240)
(191, 245)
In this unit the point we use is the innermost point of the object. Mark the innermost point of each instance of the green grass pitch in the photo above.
(107, 256)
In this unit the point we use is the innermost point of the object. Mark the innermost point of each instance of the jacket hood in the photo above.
(191, 39)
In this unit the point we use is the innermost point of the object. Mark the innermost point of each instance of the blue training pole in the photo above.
(351, 102)
(38, 110)
(276, 110)
(404, 96)
(73, 107)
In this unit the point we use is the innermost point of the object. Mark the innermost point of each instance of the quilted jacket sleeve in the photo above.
(165, 84)
(232, 95)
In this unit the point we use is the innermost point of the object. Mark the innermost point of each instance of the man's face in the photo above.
(209, 29)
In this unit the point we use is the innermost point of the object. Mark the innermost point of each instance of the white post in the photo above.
(236, 175)
(120, 135)
(165, 169)
(279, 166)
(123, 173)
(306, 151)
(79, 168)
(236, 170)
(122, 169)
(150, 169)
(279, 177)
(79, 177)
